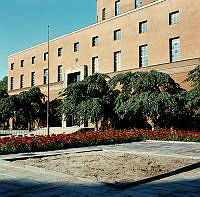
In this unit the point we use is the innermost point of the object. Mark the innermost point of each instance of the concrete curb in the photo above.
(178, 142)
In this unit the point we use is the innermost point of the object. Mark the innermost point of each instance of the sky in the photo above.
(23, 23)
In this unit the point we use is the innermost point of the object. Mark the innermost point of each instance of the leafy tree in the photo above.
(7, 109)
(30, 107)
(3, 94)
(151, 94)
(89, 99)
(55, 119)
(4, 84)
(194, 94)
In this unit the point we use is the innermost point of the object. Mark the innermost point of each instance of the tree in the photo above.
(4, 84)
(7, 109)
(89, 99)
(151, 94)
(194, 94)
(3, 94)
(30, 107)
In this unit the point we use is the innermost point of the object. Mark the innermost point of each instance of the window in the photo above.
(117, 34)
(143, 55)
(11, 83)
(95, 41)
(59, 52)
(45, 76)
(174, 49)
(103, 13)
(174, 18)
(95, 65)
(143, 27)
(33, 79)
(76, 46)
(117, 61)
(22, 63)
(73, 77)
(33, 60)
(45, 56)
(12, 66)
(59, 73)
(117, 8)
(138, 3)
(21, 81)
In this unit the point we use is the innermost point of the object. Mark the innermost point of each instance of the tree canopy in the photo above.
(89, 99)
(194, 94)
(151, 94)
(4, 84)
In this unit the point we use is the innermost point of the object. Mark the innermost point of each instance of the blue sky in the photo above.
(23, 23)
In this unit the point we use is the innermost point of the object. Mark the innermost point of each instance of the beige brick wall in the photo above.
(157, 37)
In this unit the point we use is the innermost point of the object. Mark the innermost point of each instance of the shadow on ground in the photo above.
(29, 188)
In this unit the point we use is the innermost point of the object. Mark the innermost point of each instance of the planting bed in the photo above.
(110, 166)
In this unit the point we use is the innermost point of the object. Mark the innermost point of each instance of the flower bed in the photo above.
(16, 144)
(167, 135)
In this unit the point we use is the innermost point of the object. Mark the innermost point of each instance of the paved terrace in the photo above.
(21, 180)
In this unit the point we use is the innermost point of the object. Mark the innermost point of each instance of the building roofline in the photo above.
(93, 25)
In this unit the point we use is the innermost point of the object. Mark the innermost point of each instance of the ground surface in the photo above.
(109, 166)
(27, 181)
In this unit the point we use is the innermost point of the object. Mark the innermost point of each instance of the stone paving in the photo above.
(20, 180)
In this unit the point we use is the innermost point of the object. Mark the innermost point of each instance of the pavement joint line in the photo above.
(158, 177)
(38, 155)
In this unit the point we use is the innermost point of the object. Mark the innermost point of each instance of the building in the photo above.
(130, 35)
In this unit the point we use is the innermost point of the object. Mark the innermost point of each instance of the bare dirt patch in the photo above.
(110, 166)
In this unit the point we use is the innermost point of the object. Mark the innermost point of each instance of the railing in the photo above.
(4, 133)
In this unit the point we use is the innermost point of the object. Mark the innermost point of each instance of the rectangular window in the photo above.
(117, 61)
(117, 8)
(59, 52)
(33, 60)
(59, 73)
(45, 76)
(95, 41)
(12, 66)
(143, 55)
(21, 81)
(45, 56)
(73, 77)
(76, 46)
(174, 49)
(138, 3)
(33, 79)
(174, 18)
(22, 63)
(117, 34)
(11, 83)
(95, 65)
(103, 13)
(143, 27)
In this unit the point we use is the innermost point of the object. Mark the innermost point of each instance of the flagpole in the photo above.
(48, 88)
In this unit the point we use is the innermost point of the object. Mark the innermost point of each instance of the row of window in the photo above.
(173, 19)
(143, 61)
(138, 4)
(143, 56)
(33, 78)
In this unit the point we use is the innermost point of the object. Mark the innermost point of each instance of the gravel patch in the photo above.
(110, 166)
